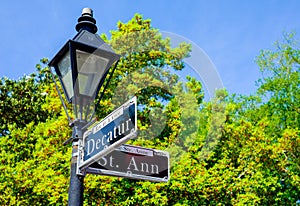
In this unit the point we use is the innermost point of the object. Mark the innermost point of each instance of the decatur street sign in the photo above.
(114, 130)
(134, 162)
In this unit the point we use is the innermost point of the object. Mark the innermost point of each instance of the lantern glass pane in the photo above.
(91, 68)
(64, 66)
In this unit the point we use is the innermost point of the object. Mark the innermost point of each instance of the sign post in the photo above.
(134, 162)
(114, 130)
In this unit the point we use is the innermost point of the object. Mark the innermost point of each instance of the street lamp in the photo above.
(81, 66)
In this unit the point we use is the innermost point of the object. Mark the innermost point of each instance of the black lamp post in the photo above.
(82, 65)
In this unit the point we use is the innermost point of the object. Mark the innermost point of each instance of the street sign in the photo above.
(134, 162)
(114, 130)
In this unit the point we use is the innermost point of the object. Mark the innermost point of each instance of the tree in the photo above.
(21, 101)
(257, 154)
(280, 83)
(32, 153)
(245, 152)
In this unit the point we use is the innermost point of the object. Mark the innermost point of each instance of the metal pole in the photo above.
(76, 181)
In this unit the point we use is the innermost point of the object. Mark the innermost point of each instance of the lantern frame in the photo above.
(89, 43)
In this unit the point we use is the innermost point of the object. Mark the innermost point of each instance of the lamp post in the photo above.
(82, 65)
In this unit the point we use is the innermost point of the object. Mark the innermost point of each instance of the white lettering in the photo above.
(132, 163)
(115, 132)
(110, 137)
(121, 131)
(103, 140)
(142, 165)
(127, 124)
(104, 161)
(110, 161)
(152, 169)
(90, 148)
(98, 141)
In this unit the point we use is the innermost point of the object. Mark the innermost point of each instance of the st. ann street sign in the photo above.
(134, 162)
(114, 130)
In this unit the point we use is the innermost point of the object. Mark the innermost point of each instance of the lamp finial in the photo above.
(87, 21)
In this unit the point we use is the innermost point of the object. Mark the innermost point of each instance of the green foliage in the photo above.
(35, 166)
(21, 100)
(145, 56)
(233, 150)
(280, 84)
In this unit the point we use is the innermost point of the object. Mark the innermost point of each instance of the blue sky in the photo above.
(232, 33)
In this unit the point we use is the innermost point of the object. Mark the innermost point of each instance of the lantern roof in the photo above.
(93, 40)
